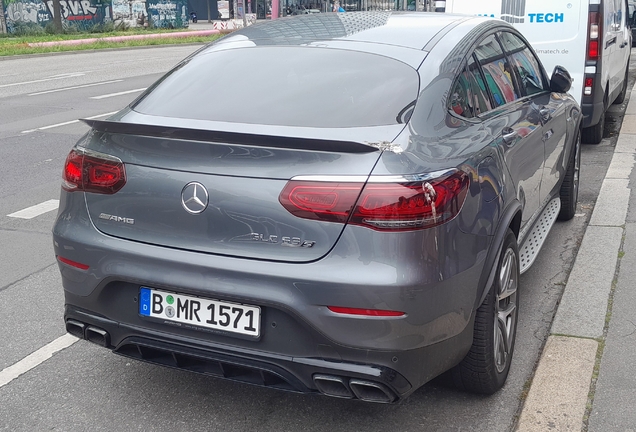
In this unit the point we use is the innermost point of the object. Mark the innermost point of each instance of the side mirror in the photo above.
(561, 80)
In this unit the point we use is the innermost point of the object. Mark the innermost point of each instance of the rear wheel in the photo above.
(594, 134)
(486, 366)
(621, 96)
(569, 192)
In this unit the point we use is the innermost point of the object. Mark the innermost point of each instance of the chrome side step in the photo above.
(531, 246)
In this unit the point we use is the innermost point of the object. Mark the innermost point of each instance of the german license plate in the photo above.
(201, 312)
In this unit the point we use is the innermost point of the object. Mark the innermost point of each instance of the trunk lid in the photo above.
(170, 176)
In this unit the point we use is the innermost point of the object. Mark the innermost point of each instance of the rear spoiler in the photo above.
(177, 133)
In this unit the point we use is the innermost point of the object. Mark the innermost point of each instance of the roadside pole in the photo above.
(3, 24)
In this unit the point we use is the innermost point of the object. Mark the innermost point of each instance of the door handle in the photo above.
(509, 135)
(546, 114)
(623, 45)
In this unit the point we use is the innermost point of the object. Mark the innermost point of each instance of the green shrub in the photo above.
(122, 26)
(27, 29)
(106, 27)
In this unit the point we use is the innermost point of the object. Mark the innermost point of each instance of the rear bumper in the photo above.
(366, 381)
(593, 106)
(300, 336)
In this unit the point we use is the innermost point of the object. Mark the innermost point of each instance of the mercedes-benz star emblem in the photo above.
(194, 198)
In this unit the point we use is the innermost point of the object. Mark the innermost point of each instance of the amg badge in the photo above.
(117, 218)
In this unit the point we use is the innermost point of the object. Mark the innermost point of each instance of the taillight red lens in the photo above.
(592, 52)
(380, 206)
(408, 206)
(589, 82)
(91, 173)
(327, 201)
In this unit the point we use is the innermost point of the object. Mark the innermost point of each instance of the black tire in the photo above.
(486, 366)
(594, 134)
(569, 192)
(621, 96)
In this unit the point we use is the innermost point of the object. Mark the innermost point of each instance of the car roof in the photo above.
(412, 30)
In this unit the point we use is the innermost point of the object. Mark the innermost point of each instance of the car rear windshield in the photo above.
(287, 86)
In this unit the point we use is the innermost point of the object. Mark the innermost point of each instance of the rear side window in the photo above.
(287, 86)
(497, 71)
(461, 100)
(469, 96)
(480, 92)
(524, 63)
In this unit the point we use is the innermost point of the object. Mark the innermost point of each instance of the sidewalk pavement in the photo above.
(586, 376)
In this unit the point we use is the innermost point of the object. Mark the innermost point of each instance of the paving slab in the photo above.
(629, 122)
(560, 386)
(611, 205)
(621, 166)
(626, 142)
(615, 395)
(584, 303)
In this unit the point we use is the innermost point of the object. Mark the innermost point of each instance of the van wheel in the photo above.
(569, 192)
(594, 134)
(486, 366)
(621, 97)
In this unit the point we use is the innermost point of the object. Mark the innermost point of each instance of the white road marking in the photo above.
(36, 210)
(74, 87)
(52, 78)
(118, 94)
(69, 122)
(38, 357)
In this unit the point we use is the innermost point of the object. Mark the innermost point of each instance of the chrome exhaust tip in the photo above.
(369, 391)
(98, 336)
(332, 386)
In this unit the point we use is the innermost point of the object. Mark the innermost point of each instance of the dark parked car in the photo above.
(355, 225)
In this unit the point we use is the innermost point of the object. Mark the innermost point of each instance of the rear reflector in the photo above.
(72, 263)
(93, 172)
(401, 206)
(367, 312)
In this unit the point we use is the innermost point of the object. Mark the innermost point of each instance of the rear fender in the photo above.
(489, 272)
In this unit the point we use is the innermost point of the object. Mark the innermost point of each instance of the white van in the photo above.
(590, 38)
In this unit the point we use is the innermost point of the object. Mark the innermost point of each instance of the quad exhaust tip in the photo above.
(371, 392)
(332, 386)
(97, 336)
(90, 333)
(76, 328)
(367, 391)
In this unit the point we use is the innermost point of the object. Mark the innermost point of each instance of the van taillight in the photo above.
(587, 87)
(93, 172)
(594, 30)
(394, 206)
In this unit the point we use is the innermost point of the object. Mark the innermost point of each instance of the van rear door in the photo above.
(556, 29)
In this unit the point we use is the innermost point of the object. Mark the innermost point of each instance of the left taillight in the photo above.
(380, 205)
(93, 172)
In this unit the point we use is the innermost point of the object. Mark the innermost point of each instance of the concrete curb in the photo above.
(558, 395)
(126, 38)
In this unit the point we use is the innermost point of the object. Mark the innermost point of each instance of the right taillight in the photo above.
(93, 172)
(382, 206)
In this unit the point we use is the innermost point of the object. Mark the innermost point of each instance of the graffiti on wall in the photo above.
(132, 12)
(168, 13)
(80, 13)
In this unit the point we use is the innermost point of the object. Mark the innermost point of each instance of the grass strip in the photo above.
(19, 46)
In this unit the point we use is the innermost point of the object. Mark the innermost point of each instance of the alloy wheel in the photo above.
(506, 310)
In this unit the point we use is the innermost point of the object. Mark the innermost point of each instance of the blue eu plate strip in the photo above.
(144, 302)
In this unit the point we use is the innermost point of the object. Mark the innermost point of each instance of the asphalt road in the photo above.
(84, 387)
